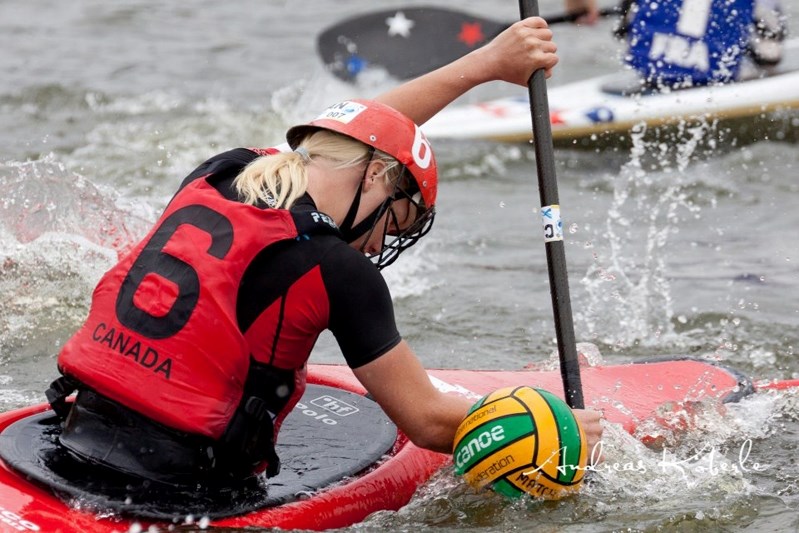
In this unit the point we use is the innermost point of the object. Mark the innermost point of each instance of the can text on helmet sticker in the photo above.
(343, 112)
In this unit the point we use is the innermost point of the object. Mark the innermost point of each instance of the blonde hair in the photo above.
(279, 180)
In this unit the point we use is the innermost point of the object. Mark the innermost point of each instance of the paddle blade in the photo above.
(405, 42)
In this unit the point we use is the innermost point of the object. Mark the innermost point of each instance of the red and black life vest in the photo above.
(162, 337)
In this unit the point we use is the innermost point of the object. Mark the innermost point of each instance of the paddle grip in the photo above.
(555, 252)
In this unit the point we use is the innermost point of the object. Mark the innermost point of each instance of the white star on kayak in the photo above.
(399, 24)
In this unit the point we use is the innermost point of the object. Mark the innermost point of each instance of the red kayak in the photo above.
(342, 457)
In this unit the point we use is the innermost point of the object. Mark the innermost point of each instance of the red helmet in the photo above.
(383, 128)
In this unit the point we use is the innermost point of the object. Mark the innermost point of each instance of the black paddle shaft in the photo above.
(556, 255)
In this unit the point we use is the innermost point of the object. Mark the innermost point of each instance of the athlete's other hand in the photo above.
(520, 50)
(591, 422)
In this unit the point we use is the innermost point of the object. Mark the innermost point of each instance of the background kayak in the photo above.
(677, 244)
(606, 108)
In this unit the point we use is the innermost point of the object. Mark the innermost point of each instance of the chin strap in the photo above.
(347, 231)
(368, 224)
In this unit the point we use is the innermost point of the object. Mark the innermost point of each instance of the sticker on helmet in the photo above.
(343, 112)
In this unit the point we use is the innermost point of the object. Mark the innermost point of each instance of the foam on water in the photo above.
(413, 275)
(132, 145)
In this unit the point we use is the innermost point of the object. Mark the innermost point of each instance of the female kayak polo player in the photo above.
(196, 343)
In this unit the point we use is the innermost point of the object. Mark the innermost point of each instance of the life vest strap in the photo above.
(250, 436)
(58, 392)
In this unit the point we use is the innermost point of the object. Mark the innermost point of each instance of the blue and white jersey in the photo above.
(676, 42)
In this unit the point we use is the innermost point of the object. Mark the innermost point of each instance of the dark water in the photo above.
(677, 243)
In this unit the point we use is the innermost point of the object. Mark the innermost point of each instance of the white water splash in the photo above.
(629, 295)
(719, 451)
(588, 354)
(652, 480)
(45, 197)
(59, 234)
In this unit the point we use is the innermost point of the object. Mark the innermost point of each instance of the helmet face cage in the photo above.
(399, 243)
(399, 240)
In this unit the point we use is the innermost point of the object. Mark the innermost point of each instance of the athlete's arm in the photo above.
(397, 381)
(362, 320)
(512, 56)
(426, 415)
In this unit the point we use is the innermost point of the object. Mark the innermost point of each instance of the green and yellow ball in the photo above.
(521, 440)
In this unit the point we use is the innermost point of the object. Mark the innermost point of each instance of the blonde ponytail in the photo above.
(275, 180)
